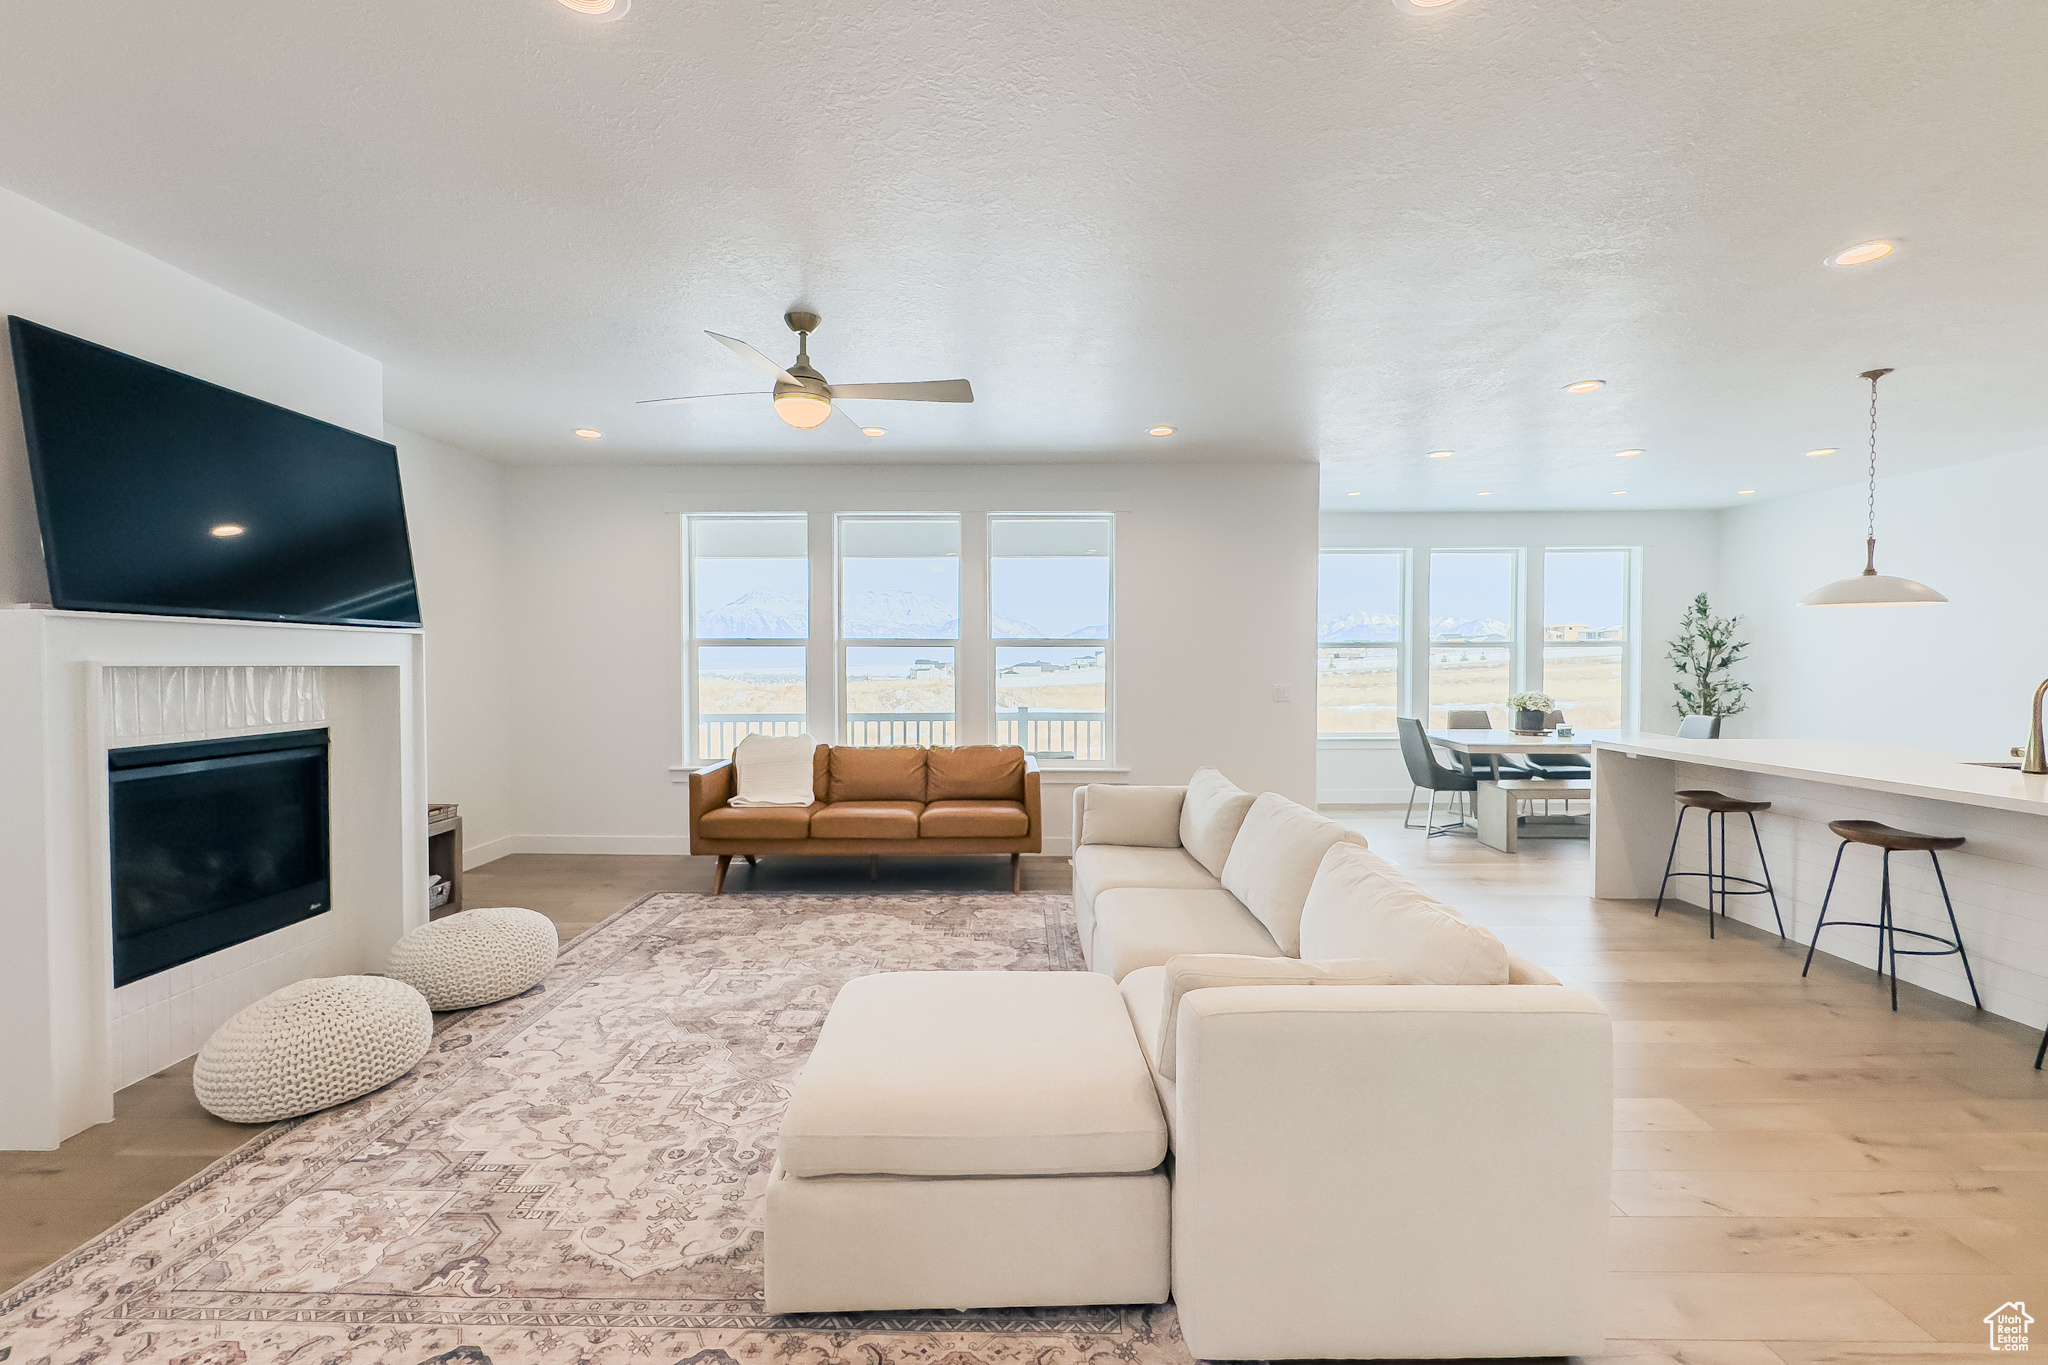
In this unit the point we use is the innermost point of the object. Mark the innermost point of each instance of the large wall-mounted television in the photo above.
(164, 494)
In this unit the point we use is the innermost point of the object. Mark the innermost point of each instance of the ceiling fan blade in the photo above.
(930, 391)
(753, 357)
(693, 397)
(852, 421)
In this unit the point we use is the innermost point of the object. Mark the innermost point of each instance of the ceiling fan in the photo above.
(802, 397)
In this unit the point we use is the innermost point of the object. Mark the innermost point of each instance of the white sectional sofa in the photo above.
(1383, 1135)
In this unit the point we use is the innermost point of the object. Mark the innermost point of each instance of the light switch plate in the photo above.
(1283, 692)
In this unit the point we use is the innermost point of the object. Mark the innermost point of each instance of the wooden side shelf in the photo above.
(444, 853)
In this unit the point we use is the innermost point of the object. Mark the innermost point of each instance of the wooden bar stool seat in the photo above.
(1890, 840)
(1717, 803)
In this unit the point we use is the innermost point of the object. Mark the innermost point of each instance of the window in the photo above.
(899, 628)
(1585, 635)
(750, 617)
(1359, 597)
(1049, 589)
(1471, 633)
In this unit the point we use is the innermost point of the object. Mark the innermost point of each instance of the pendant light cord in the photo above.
(1870, 501)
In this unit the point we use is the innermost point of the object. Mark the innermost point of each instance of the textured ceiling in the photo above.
(1342, 232)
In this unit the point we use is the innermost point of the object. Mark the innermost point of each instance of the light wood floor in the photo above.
(1800, 1175)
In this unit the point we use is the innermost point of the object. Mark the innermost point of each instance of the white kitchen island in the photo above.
(1998, 880)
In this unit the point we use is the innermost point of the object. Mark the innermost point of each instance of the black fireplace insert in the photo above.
(214, 842)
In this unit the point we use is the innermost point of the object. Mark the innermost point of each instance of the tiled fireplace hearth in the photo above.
(74, 685)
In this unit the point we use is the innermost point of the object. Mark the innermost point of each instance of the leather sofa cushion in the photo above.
(876, 775)
(867, 820)
(974, 1073)
(1138, 926)
(974, 820)
(821, 772)
(759, 822)
(975, 772)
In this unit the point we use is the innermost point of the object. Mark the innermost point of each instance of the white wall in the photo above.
(64, 275)
(455, 503)
(1215, 606)
(1956, 677)
(1678, 561)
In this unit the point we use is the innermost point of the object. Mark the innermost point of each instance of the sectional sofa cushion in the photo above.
(876, 775)
(1360, 906)
(1210, 817)
(975, 772)
(1137, 926)
(1273, 860)
(867, 820)
(974, 1073)
(974, 820)
(1523, 972)
(760, 822)
(1104, 867)
(774, 770)
(1132, 817)
(1209, 971)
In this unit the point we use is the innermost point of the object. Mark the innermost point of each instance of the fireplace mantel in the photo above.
(73, 685)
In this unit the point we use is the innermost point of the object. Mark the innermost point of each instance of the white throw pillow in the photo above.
(1136, 817)
(1273, 860)
(1211, 816)
(774, 770)
(1360, 906)
(1206, 971)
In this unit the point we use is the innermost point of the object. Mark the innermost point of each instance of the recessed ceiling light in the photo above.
(1423, 6)
(1441, 454)
(1816, 454)
(1354, 495)
(1619, 493)
(1862, 254)
(227, 530)
(874, 431)
(597, 9)
(1626, 454)
(1586, 386)
(587, 433)
(1160, 431)
(1486, 495)
(1745, 492)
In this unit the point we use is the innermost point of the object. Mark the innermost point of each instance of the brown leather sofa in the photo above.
(978, 798)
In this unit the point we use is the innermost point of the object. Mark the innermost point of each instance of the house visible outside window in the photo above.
(899, 629)
(1585, 635)
(1359, 635)
(749, 611)
(1050, 625)
(1472, 607)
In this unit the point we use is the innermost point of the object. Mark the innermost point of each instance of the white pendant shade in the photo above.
(1872, 590)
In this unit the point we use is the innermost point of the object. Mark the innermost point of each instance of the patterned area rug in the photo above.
(574, 1175)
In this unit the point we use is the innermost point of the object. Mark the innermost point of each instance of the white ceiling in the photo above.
(1326, 231)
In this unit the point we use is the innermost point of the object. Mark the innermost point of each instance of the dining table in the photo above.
(1498, 802)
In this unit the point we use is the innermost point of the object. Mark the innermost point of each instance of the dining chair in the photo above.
(1700, 727)
(1496, 766)
(1426, 774)
(1559, 767)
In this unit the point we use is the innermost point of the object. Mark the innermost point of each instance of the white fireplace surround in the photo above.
(75, 684)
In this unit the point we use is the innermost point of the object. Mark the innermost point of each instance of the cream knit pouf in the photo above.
(475, 957)
(314, 1044)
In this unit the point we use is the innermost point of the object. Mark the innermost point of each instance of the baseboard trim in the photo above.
(1362, 796)
(489, 851)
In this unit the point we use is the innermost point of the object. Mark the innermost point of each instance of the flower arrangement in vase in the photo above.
(1532, 711)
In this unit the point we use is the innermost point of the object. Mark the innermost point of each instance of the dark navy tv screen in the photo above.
(164, 494)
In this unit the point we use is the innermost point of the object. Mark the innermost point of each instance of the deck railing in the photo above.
(1081, 735)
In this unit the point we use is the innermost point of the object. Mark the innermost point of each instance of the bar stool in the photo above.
(1714, 803)
(1897, 841)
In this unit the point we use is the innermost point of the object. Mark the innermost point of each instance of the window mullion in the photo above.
(823, 685)
(974, 672)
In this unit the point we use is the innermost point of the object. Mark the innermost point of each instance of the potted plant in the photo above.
(1706, 648)
(1532, 710)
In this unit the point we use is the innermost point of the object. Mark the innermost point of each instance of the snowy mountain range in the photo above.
(1368, 627)
(765, 614)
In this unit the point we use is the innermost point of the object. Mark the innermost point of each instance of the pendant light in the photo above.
(1871, 588)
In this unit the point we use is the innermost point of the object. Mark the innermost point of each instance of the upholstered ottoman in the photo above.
(475, 957)
(970, 1140)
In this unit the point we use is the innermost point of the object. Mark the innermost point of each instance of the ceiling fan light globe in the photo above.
(803, 410)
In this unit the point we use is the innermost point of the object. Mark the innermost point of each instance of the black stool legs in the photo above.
(1888, 931)
(1720, 881)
